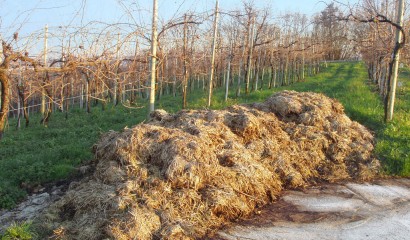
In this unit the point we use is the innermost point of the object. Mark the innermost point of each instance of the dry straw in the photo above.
(183, 176)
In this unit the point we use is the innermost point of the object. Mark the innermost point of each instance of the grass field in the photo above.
(37, 155)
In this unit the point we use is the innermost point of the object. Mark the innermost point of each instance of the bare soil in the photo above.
(376, 210)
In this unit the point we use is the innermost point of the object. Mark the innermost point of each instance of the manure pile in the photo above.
(184, 175)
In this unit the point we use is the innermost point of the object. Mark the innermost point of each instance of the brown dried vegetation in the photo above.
(184, 175)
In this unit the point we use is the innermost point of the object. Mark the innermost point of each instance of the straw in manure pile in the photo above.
(184, 175)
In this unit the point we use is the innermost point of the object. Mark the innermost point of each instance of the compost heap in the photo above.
(184, 175)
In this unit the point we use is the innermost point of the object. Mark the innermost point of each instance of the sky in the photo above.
(28, 17)
(32, 15)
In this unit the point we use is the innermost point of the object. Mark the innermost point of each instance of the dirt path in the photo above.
(380, 210)
(31, 208)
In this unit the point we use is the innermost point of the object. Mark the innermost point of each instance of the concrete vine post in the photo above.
(116, 80)
(238, 89)
(185, 67)
(230, 56)
(154, 40)
(211, 78)
(43, 93)
(249, 61)
(396, 57)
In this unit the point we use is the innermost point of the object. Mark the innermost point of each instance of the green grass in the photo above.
(393, 145)
(38, 155)
(19, 231)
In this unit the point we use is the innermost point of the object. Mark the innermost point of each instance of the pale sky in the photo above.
(28, 17)
(32, 15)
